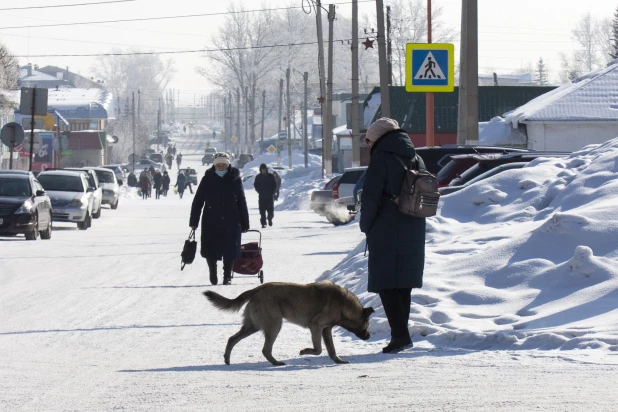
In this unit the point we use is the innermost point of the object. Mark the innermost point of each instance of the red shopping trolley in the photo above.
(250, 261)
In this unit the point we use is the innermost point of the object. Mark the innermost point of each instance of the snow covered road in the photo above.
(104, 319)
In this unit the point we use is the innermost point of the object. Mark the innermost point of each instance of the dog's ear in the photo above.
(368, 311)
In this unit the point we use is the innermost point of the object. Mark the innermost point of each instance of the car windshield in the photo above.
(61, 183)
(14, 187)
(105, 177)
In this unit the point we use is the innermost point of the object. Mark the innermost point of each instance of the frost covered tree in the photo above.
(541, 72)
(614, 36)
(9, 75)
(131, 72)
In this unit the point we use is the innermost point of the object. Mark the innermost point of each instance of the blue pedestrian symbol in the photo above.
(430, 67)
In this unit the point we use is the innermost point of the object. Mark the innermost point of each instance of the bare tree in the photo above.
(614, 36)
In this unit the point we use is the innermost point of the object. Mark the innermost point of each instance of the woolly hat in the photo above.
(221, 158)
(263, 166)
(380, 127)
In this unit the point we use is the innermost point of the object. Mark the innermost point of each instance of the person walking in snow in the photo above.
(144, 183)
(181, 182)
(157, 182)
(396, 242)
(165, 182)
(266, 186)
(225, 216)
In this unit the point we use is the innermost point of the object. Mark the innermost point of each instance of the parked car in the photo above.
(242, 160)
(156, 157)
(436, 157)
(118, 171)
(209, 155)
(456, 166)
(71, 196)
(143, 164)
(343, 196)
(358, 189)
(487, 162)
(491, 172)
(97, 190)
(25, 207)
(109, 185)
(321, 200)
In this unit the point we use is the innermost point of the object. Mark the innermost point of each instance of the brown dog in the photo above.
(316, 306)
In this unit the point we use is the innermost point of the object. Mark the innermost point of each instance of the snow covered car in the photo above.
(71, 196)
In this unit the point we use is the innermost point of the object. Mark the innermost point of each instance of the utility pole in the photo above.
(287, 120)
(355, 122)
(305, 131)
(246, 119)
(318, 16)
(384, 91)
(133, 127)
(225, 129)
(327, 139)
(237, 119)
(33, 107)
(429, 97)
(389, 49)
(280, 118)
(139, 105)
(262, 133)
(468, 111)
(253, 92)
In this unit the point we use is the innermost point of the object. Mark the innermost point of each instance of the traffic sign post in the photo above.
(34, 103)
(12, 135)
(430, 67)
(283, 134)
(271, 149)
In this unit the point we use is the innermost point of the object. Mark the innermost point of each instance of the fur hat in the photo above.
(263, 166)
(221, 158)
(380, 127)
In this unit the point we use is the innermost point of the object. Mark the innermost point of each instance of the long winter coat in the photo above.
(158, 180)
(265, 185)
(181, 183)
(396, 242)
(166, 182)
(225, 213)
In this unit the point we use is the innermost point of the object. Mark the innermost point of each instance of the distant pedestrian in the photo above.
(165, 183)
(278, 180)
(157, 182)
(266, 186)
(132, 180)
(181, 183)
(396, 241)
(224, 216)
(144, 183)
(179, 159)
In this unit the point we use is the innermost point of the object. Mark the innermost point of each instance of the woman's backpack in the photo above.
(419, 194)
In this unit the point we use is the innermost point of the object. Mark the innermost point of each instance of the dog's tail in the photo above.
(229, 305)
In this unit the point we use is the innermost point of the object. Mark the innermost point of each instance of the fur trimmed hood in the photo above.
(232, 171)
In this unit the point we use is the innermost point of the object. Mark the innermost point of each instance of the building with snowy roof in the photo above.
(579, 113)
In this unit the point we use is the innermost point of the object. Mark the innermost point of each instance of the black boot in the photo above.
(227, 271)
(212, 268)
(397, 345)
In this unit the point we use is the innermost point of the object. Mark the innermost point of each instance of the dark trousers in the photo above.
(396, 303)
(267, 205)
(227, 267)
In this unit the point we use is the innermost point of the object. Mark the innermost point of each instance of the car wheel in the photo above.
(115, 205)
(46, 234)
(85, 224)
(34, 233)
(98, 214)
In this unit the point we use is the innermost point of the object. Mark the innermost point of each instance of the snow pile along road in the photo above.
(527, 259)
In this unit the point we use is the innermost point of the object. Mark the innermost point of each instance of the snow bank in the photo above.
(497, 132)
(524, 260)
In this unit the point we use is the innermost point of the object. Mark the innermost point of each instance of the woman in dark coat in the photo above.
(224, 218)
(158, 181)
(166, 183)
(181, 183)
(396, 242)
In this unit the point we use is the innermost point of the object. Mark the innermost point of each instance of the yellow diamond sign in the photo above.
(234, 139)
(271, 149)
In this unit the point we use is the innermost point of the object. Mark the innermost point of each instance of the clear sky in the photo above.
(512, 34)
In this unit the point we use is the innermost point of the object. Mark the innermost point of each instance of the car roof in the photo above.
(15, 172)
(354, 169)
(472, 155)
(63, 172)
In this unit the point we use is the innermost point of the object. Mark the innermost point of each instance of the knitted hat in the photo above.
(380, 127)
(263, 166)
(221, 158)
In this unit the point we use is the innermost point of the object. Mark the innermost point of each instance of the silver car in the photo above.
(109, 184)
(71, 196)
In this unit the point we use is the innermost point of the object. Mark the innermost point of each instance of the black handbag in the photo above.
(188, 251)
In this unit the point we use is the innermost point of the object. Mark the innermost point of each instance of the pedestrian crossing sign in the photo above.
(430, 67)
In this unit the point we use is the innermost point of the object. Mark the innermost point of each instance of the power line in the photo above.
(66, 5)
(163, 17)
(176, 52)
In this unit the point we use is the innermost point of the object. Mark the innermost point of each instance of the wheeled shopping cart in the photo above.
(250, 261)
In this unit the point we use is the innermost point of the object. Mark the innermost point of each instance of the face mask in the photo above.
(221, 172)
